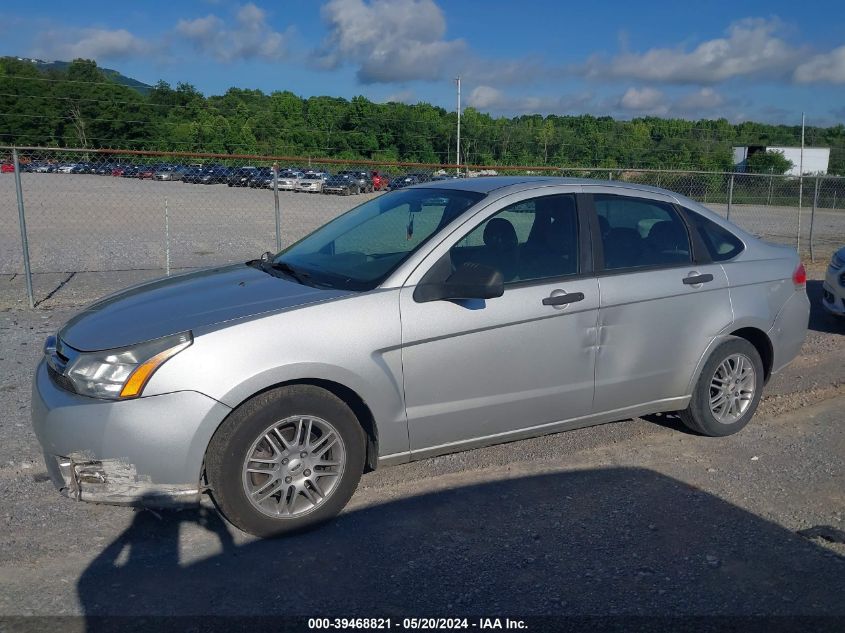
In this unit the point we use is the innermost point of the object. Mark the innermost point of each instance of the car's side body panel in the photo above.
(652, 330)
(233, 363)
(477, 368)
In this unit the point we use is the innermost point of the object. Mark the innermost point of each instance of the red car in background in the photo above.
(380, 181)
(7, 168)
(118, 171)
(146, 172)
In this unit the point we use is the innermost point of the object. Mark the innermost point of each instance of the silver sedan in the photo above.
(432, 319)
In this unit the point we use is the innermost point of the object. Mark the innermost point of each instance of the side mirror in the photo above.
(469, 281)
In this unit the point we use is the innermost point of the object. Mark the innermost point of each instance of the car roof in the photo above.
(488, 184)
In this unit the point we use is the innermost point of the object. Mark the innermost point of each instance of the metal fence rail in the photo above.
(72, 210)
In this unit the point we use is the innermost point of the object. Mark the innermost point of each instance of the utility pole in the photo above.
(800, 186)
(458, 161)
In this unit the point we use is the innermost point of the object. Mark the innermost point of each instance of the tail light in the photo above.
(799, 277)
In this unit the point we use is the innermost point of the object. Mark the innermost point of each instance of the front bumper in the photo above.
(146, 451)
(833, 292)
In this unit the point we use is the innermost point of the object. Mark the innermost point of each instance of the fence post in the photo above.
(276, 204)
(166, 237)
(730, 197)
(771, 182)
(813, 219)
(22, 222)
(800, 205)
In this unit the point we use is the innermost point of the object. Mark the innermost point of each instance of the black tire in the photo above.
(698, 415)
(228, 448)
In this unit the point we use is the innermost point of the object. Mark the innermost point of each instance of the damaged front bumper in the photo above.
(114, 482)
(145, 451)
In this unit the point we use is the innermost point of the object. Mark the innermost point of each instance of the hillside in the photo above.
(61, 66)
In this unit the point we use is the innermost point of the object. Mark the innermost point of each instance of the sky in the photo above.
(750, 60)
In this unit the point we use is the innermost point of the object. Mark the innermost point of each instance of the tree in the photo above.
(769, 162)
(79, 105)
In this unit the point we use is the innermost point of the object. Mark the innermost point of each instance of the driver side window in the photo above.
(529, 240)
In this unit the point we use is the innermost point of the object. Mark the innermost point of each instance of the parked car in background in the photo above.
(174, 172)
(83, 168)
(146, 172)
(342, 184)
(37, 167)
(288, 180)
(311, 183)
(130, 171)
(65, 168)
(215, 175)
(192, 174)
(7, 168)
(262, 178)
(241, 176)
(405, 180)
(118, 170)
(833, 287)
(505, 308)
(363, 178)
(381, 182)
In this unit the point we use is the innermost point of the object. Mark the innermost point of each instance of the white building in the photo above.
(816, 159)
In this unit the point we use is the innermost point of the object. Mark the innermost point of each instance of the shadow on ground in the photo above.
(821, 321)
(618, 540)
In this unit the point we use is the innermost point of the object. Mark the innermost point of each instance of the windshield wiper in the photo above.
(289, 270)
(273, 268)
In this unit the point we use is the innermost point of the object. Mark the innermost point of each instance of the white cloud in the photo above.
(752, 48)
(827, 67)
(250, 38)
(701, 100)
(389, 40)
(97, 44)
(643, 100)
(486, 98)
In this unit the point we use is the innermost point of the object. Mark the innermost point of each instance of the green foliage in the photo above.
(79, 104)
(768, 162)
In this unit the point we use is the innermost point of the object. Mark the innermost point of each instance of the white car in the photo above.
(66, 169)
(288, 181)
(833, 288)
(310, 183)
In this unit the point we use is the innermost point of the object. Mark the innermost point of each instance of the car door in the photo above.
(477, 371)
(662, 299)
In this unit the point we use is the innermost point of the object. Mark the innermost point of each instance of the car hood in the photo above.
(185, 302)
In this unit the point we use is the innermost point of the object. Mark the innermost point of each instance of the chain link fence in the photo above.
(115, 210)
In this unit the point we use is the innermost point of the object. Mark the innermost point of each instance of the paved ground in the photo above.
(637, 517)
(93, 223)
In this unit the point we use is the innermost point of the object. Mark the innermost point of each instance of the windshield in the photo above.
(358, 250)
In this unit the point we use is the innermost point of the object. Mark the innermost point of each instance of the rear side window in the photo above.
(720, 243)
(637, 233)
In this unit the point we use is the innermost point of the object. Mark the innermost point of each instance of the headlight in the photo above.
(122, 373)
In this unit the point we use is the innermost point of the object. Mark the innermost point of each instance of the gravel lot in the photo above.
(98, 223)
(635, 517)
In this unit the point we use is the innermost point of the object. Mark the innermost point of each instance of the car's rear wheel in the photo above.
(285, 460)
(728, 390)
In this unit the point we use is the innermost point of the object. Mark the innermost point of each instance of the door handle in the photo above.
(559, 300)
(698, 279)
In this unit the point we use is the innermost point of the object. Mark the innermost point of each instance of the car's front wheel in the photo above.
(728, 390)
(285, 460)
